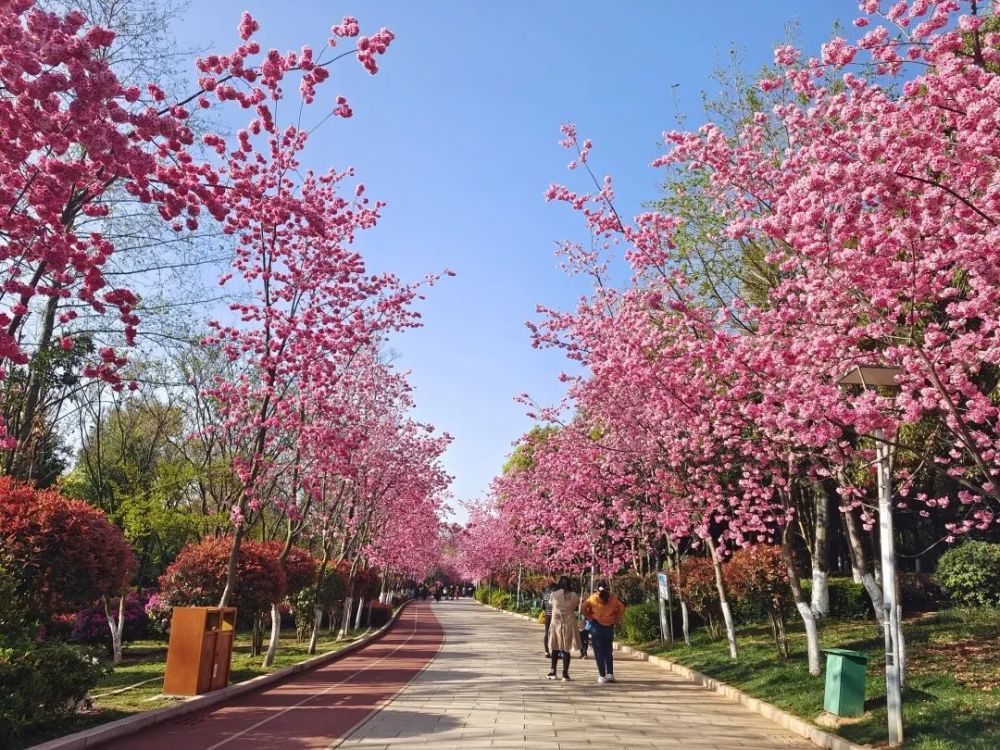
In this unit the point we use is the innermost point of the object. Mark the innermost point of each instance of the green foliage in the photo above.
(919, 592)
(381, 613)
(848, 600)
(641, 622)
(39, 681)
(523, 456)
(970, 574)
(330, 590)
(501, 599)
(633, 588)
(482, 595)
(948, 703)
(130, 467)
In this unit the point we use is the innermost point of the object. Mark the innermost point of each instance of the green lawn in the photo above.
(146, 660)
(952, 699)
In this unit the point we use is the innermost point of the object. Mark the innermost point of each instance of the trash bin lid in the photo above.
(846, 652)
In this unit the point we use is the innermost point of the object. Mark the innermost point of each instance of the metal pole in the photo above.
(670, 612)
(518, 605)
(661, 599)
(893, 683)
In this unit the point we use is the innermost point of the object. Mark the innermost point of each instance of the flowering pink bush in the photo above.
(90, 625)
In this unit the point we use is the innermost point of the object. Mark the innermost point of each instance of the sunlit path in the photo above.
(313, 709)
(487, 688)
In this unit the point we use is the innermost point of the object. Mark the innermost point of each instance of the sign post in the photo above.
(666, 623)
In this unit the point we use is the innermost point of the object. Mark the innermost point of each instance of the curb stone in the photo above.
(783, 719)
(103, 733)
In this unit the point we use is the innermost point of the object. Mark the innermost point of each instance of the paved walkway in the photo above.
(310, 710)
(487, 689)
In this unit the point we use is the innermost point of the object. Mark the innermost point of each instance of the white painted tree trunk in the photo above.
(727, 612)
(820, 604)
(855, 573)
(804, 610)
(346, 622)
(272, 645)
(812, 637)
(357, 617)
(317, 622)
(820, 592)
(116, 621)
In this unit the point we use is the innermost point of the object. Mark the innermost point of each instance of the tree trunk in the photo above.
(117, 624)
(234, 557)
(357, 617)
(727, 613)
(36, 382)
(820, 604)
(805, 612)
(780, 633)
(861, 560)
(346, 623)
(272, 646)
(256, 635)
(317, 622)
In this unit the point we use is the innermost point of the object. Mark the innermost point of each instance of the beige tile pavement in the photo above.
(487, 689)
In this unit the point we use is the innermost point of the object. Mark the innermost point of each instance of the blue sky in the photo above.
(458, 133)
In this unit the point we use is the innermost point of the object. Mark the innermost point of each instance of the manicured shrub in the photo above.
(66, 554)
(501, 599)
(90, 625)
(970, 574)
(633, 588)
(757, 577)
(697, 587)
(299, 566)
(40, 682)
(380, 614)
(919, 592)
(641, 622)
(158, 615)
(367, 585)
(848, 600)
(482, 595)
(198, 576)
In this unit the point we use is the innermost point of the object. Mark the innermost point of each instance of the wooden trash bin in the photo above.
(200, 649)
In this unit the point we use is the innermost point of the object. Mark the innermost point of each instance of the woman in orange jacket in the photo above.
(603, 610)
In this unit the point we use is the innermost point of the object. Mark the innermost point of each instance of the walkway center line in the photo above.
(302, 702)
(388, 701)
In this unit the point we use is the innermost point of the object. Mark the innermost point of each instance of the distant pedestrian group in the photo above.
(600, 612)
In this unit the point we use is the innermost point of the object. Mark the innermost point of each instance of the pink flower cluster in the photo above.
(700, 415)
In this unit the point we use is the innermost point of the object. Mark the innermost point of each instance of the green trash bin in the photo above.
(845, 682)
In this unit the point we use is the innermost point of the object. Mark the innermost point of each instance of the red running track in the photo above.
(311, 709)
